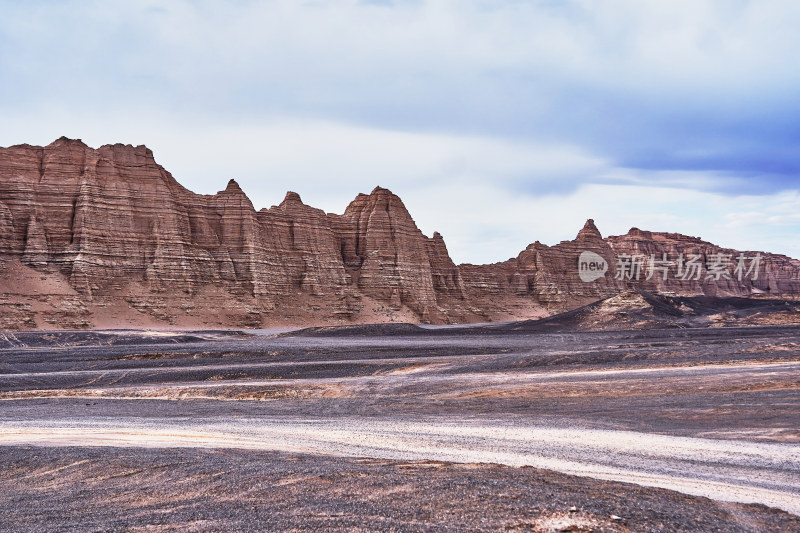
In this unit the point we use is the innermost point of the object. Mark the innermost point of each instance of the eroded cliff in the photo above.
(101, 237)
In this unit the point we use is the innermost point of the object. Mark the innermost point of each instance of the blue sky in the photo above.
(497, 122)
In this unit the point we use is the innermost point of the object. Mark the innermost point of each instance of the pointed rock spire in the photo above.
(291, 197)
(589, 231)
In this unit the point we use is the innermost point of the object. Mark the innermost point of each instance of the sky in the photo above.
(498, 122)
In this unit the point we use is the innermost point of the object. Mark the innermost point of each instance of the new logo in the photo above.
(591, 266)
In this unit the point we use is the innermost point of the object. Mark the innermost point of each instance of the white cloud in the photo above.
(491, 224)
(498, 123)
(335, 50)
(321, 158)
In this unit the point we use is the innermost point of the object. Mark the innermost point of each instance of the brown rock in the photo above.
(388, 256)
(550, 275)
(117, 228)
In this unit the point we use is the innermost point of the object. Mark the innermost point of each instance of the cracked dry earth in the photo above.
(385, 429)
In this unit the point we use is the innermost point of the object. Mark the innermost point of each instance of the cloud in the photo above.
(494, 224)
(509, 100)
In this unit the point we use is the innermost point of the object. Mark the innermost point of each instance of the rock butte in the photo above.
(103, 237)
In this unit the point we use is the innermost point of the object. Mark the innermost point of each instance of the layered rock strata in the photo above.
(104, 236)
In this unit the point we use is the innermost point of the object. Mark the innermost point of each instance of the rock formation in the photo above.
(666, 263)
(107, 236)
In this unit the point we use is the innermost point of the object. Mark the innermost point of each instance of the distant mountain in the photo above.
(107, 237)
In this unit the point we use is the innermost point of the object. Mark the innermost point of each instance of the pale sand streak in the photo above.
(728, 470)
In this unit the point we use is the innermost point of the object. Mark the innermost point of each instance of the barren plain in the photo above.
(401, 428)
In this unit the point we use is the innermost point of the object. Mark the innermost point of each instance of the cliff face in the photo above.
(107, 236)
(666, 263)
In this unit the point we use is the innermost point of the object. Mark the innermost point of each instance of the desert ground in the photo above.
(401, 428)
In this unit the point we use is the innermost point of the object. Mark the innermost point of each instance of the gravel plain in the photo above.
(712, 414)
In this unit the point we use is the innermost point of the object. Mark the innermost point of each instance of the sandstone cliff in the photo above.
(108, 237)
(666, 263)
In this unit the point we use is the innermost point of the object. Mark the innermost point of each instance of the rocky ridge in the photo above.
(98, 237)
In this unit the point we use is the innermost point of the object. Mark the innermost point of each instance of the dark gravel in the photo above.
(112, 489)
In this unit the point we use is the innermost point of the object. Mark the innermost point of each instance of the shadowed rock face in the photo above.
(111, 224)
